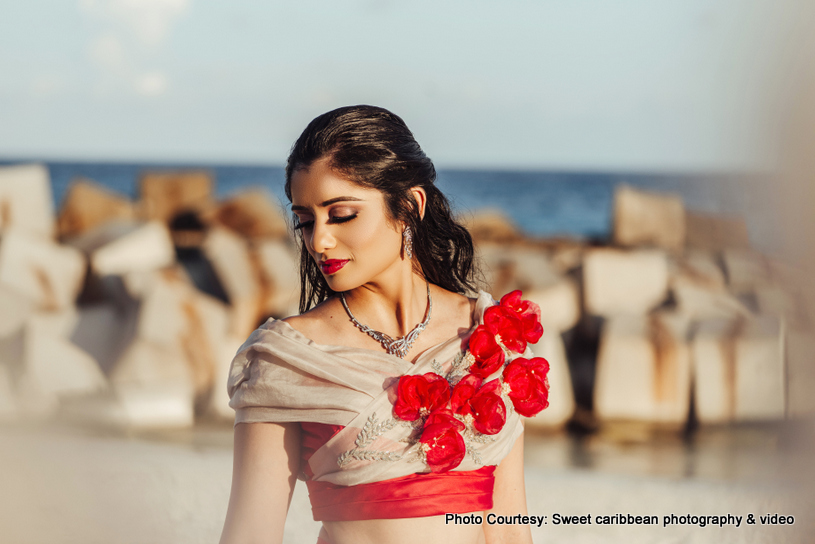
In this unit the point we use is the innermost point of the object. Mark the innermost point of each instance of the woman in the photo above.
(377, 394)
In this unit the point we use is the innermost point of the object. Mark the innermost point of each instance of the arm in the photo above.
(265, 467)
(509, 498)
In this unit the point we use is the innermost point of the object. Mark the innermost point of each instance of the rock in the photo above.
(643, 369)
(158, 405)
(239, 275)
(648, 219)
(800, 374)
(166, 194)
(746, 270)
(253, 214)
(33, 400)
(105, 330)
(698, 286)
(561, 395)
(219, 400)
(713, 350)
(88, 205)
(624, 282)
(491, 226)
(706, 303)
(48, 274)
(760, 380)
(566, 258)
(15, 311)
(58, 366)
(715, 232)
(26, 201)
(147, 247)
(509, 268)
(176, 317)
(280, 277)
(560, 305)
(154, 385)
(702, 268)
(775, 300)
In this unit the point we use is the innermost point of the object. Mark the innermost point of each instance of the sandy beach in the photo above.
(65, 484)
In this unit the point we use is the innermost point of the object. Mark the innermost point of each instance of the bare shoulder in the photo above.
(453, 307)
(319, 322)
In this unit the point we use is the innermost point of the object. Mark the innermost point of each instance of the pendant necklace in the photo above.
(394, 346)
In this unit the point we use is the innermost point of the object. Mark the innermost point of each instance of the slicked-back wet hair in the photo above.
(374, 148)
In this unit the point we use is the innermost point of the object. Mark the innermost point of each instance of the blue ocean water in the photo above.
(541, 203)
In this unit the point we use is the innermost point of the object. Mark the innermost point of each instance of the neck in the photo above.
(394, 303)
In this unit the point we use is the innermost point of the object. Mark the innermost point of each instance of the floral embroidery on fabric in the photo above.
(452, 413)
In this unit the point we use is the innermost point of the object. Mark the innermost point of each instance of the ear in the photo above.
(420, 196)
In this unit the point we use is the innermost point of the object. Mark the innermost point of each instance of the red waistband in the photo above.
(412, 496)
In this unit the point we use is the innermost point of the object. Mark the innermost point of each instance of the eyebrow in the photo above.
(329, 202)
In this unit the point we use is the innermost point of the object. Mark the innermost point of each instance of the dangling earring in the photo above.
(407, 239)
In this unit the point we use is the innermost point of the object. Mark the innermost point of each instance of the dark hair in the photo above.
(375, 149)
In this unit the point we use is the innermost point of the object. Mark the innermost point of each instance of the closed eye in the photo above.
(331, 220)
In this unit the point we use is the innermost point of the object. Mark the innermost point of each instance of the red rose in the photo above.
(446, 417)
(443, 445)
(488, 410)
(489, 356)
(463, 392)
(417, 396)
(528, 386)
(527, 311)
(508, 325)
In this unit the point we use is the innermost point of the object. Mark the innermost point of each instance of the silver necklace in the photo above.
(394, 346)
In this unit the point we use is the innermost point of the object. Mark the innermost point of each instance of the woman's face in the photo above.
(345, 227)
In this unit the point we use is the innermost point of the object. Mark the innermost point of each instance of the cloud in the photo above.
(152, 84)
(150, 21)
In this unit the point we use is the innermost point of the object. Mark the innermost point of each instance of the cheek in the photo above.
(375, 236)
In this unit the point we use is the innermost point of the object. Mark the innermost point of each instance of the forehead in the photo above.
(318, 183)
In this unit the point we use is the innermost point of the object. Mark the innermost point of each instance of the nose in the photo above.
(321, 238)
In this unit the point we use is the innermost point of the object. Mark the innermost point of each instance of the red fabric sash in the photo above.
(411, 496)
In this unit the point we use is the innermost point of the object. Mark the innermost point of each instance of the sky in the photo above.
(607, 85)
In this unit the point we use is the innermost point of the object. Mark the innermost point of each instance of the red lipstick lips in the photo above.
(332, 265)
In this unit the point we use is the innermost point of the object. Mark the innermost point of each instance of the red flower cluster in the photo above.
(511, 324)
(528, 387)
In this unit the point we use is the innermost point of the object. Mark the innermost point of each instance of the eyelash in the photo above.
(332, 221)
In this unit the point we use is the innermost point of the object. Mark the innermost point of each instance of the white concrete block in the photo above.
(560, 305)
(745, 269)
(166, 194)
(561, 394)
(253, 213)
(26, 201)
(760, 376)
(144, 363)
(14, 310)
(801, 374)
(58, 366)
(624, 282)
(643, 369)
(49, 274)
(154, 385)
(219, 401)
(714, 370)
(777, 300)
(148, 247)
(280, 277)
(88, 205)
(648, 219)
(157, 405)
(239, 275)
(702, 301)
